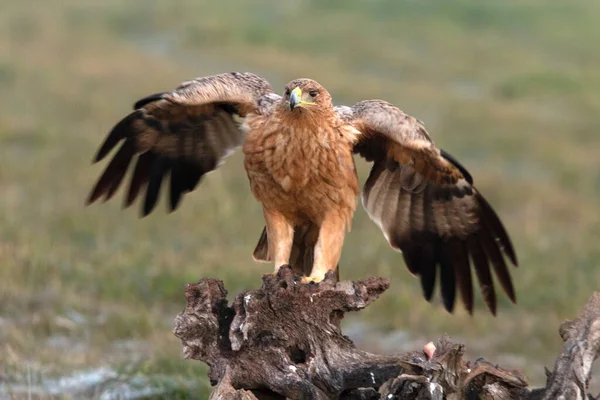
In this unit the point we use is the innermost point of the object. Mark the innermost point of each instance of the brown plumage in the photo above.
(299, 159)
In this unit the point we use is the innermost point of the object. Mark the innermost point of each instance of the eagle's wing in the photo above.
(185, 133)
(426, 205)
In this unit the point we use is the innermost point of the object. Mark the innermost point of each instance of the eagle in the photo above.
(299, 158)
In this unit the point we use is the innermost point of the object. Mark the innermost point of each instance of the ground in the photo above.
(510, 89)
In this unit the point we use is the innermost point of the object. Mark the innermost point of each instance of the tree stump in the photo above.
(284, 341)
(572, 370)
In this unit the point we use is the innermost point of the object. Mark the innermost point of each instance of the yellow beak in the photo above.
(296, 99)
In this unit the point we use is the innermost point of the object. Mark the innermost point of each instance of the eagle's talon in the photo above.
(283, 271)
(307, 280)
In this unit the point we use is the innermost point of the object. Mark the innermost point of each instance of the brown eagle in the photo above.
(298, 151)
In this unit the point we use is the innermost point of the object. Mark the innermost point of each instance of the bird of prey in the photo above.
(298, 150)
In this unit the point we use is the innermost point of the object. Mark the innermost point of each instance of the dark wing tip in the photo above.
(421, 261)
(448, 301)
(447, 274)
(119, 132)
(148, 99)
(495, 224)
(92, 197)
(111, 178)
(458, 251)
(427, 284)
(458, 165)
(140, 177)
(482, 270)
(157, 172)
(123, 128)
(177, 188)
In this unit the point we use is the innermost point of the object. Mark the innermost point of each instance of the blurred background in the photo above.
(88, 295)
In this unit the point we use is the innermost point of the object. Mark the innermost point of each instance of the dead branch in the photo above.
(572, 370)
(284, 341)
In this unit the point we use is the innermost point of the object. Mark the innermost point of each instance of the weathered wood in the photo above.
(284, 337)
(284, 341)
(572, 370)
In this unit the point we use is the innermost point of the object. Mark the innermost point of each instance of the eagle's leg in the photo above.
(329, 246)
(281, 236)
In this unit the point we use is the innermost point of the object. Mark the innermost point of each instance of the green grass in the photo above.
(510, 88)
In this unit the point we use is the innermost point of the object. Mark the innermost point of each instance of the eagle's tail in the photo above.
(303, 248)
(261, 252)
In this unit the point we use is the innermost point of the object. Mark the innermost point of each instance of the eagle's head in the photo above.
(305, 95)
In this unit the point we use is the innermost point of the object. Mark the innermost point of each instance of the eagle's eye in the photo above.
(313, 93)
(288, 92)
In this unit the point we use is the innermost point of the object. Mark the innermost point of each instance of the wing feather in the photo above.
(157, 172)
(447, 273)
(177, 184)
(185, 133)
(140, 176)
(425, 203)
(482, 269)
(401, 138)
(460, 260)
(112, 176)
(493, 252)
(497, 229)
(118, 133)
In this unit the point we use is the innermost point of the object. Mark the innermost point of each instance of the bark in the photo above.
(284, 341)
(572, 370)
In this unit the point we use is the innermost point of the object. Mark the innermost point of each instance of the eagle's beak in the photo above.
(295, 98)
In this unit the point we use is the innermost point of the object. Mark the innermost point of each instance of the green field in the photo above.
(510, 88)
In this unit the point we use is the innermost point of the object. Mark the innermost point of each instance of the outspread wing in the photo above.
(184, 133)
(426, 205)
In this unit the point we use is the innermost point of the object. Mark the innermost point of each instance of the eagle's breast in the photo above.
(299, 167)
